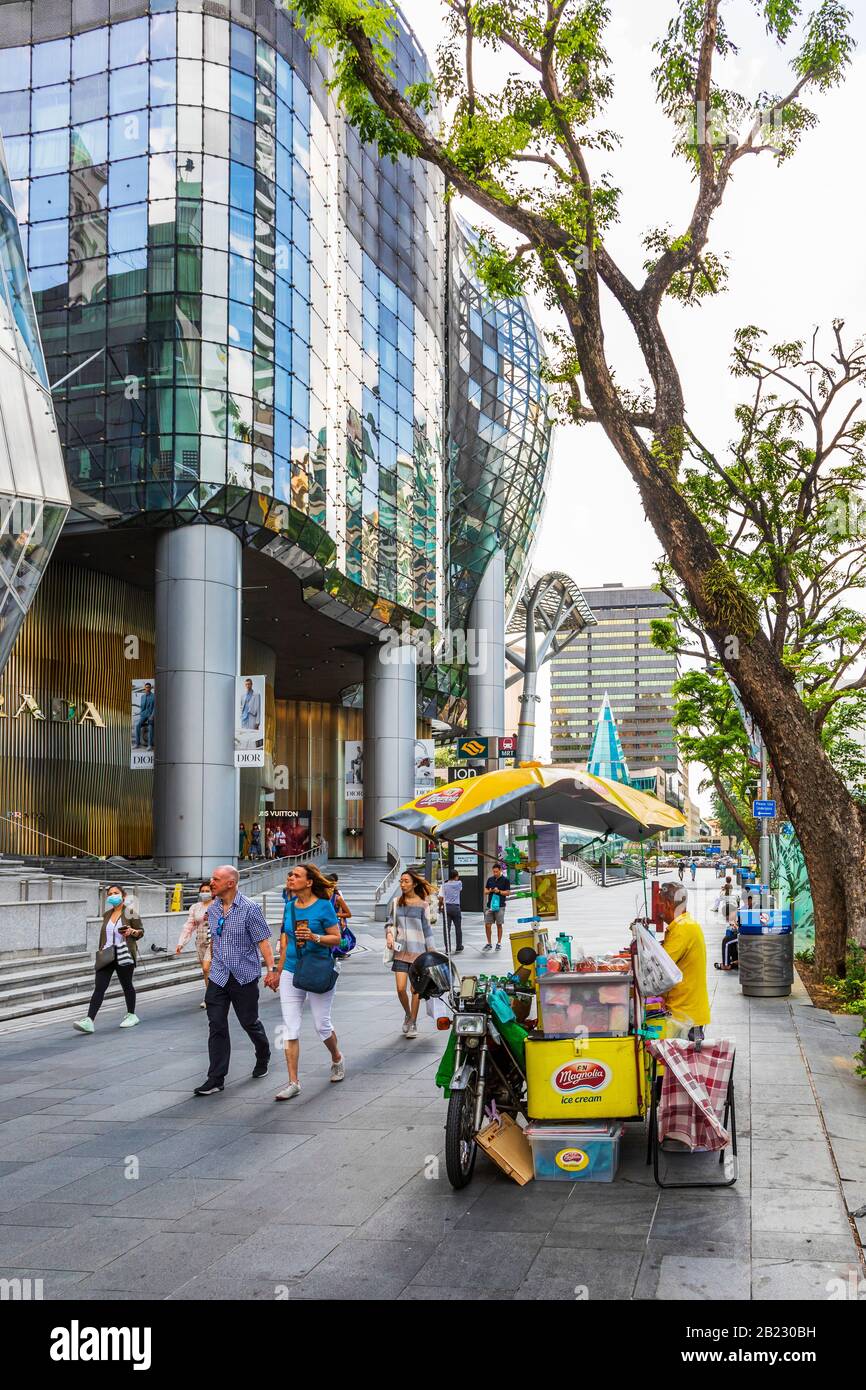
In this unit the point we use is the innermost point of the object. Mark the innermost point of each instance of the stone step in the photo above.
(38, 992)
(77, 993)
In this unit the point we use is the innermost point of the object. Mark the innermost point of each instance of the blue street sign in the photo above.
(763, 810)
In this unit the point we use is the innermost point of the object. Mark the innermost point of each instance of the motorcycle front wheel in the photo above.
(460, 1147)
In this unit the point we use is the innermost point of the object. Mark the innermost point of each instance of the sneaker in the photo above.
(202, 1005)
(84, 1025)
(208, 1088)
(457, 950)
(338, 1069)
(488, 947)
(412, 1030)
(261, 1069)
(499, 945)
(289, 1092)
(407, 1023)
(130, 1021)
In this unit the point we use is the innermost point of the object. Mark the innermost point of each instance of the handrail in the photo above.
(391, 877)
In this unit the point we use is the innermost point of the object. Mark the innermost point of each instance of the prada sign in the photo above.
(61, 711)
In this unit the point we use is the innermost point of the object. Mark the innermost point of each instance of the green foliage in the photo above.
(852, 988)
(733, 609)
(806, 956)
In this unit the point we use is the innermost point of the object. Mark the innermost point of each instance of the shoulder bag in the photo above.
(314, 973)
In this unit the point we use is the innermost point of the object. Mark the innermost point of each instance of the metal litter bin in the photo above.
(766, 953)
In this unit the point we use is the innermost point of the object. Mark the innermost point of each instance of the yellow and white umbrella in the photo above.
(566, 795)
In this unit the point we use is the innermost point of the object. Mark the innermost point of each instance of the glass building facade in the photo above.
(34, 497)
(250, 313)
(499, 431)
(251, 303)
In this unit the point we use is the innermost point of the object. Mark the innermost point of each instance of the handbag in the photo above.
(104, 957)
(495, 902)
(314, 973)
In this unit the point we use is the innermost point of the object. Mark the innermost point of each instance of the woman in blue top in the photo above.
(308, 918)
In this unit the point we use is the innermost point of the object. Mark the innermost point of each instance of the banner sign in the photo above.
(250, 722)
(143, 723)
(289, 832)
(546, 854)
(763, 810)
(425, 766)
(353, 750)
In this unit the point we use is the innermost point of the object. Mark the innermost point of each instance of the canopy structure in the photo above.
(567, 795)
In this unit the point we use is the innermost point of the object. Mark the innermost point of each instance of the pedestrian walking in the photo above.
(496, 891)
(269, 843)
(408, 934)
(340, 906)
(681, 870)
(306, 969)
(693, 869)
(117, 950)
(198, 924)
(240, 936)
(242, 841)
(449, 899)
(256, 841)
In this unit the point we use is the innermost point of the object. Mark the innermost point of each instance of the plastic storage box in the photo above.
(593, 1005)
(575, 1153)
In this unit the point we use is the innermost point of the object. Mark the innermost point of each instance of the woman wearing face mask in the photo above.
(117, 950)
(197, 923)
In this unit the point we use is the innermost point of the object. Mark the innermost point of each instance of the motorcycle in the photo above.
(486, 1071)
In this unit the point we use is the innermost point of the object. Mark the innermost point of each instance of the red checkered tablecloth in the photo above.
(694, 1088)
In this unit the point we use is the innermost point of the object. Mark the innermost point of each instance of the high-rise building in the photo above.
(34, 496)
(616, 659)
(280, 395)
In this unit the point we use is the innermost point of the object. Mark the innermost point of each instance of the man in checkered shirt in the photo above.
(239, 937)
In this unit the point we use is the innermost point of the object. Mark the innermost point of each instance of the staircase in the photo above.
(48, 982)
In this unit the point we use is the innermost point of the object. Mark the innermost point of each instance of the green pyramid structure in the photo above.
(606, 758)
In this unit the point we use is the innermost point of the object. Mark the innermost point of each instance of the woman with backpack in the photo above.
(117, 950)
(408, 934)
(341, 907)
(306, 969)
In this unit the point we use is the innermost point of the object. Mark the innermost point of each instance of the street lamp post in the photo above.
(764, 845)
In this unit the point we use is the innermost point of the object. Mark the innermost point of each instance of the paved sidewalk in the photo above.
(116, 1183)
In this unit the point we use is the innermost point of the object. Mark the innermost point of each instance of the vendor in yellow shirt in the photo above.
(684, 942)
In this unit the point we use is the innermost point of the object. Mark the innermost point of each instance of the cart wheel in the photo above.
(460, 1147)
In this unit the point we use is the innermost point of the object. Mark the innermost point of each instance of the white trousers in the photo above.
(292, 1004)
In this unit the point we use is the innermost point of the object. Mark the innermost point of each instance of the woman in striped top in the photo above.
(121, 931)
(409, 934)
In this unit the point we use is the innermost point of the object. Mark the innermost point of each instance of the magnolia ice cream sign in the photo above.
(584, 1076)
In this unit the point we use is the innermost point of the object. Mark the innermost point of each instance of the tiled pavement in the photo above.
(116, 1183)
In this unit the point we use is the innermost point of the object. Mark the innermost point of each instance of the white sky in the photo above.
(795, 234)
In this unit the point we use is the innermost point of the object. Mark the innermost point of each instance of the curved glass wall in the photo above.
(260, 298)
(34, 497)
(499, 431)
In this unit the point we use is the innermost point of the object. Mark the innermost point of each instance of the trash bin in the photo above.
(766, 953)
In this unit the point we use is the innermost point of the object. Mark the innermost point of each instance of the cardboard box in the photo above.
(504, 1141)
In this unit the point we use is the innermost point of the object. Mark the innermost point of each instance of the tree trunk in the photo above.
(827, 820)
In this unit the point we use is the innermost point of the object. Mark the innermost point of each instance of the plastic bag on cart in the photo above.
(656, 972)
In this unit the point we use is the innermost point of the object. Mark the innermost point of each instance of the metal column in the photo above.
(198, 593)
(485, 681)
(390, 726)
